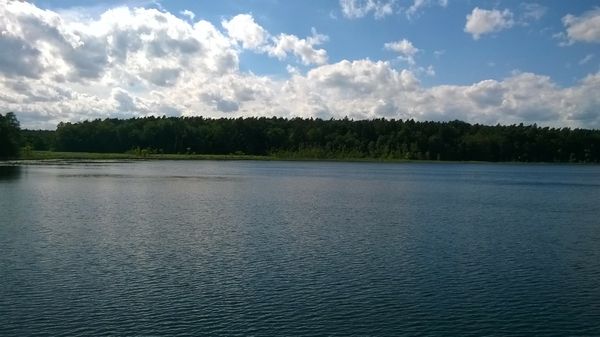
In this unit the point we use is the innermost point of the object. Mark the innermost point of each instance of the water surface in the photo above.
(292, 248)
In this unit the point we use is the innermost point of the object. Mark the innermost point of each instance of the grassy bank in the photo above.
(51, 155)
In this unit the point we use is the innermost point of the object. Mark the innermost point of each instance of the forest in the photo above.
(301, 138)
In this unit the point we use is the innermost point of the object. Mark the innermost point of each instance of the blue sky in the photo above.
(480, 61)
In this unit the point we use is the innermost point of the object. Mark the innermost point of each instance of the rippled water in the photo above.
(292, 248)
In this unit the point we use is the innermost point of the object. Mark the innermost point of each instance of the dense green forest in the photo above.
(9, 136)
(323, 139)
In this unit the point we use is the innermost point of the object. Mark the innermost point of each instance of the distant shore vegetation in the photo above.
(301, 138)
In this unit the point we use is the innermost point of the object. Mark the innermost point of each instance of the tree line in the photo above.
(323, 139)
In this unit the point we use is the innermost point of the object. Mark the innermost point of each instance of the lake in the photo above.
(299, 248)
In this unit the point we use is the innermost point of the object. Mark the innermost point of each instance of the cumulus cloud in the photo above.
(368, 89)
(303, 49)
(28, 63)
(405, 48)
(139, 50)
(137, 62)
(134, 43)
(124, 101)
(362, 77)
(243, 29)
(220, 103)
(584, 28)
(407, 53)
(483, 21)
(354, 9)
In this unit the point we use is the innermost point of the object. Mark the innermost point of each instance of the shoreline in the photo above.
(44, 157)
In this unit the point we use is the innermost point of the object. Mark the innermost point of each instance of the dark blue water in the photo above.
(278, 248)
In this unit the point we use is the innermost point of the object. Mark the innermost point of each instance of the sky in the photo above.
(487, 62)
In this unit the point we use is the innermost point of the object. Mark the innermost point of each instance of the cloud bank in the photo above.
(131, 62)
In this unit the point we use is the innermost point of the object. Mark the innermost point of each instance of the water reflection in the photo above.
(10, 172)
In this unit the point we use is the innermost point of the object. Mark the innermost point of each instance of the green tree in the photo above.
(9, 136)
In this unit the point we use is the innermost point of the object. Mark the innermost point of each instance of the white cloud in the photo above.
(405, 48)
(584, 28)
(188, 13)
(137, 62)
(303, 49)
(124, 101)
(71, 65)
(483, 21)
(243, 29)
(407, 53)
(362, 77)
(363, 88)
(354, 9)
